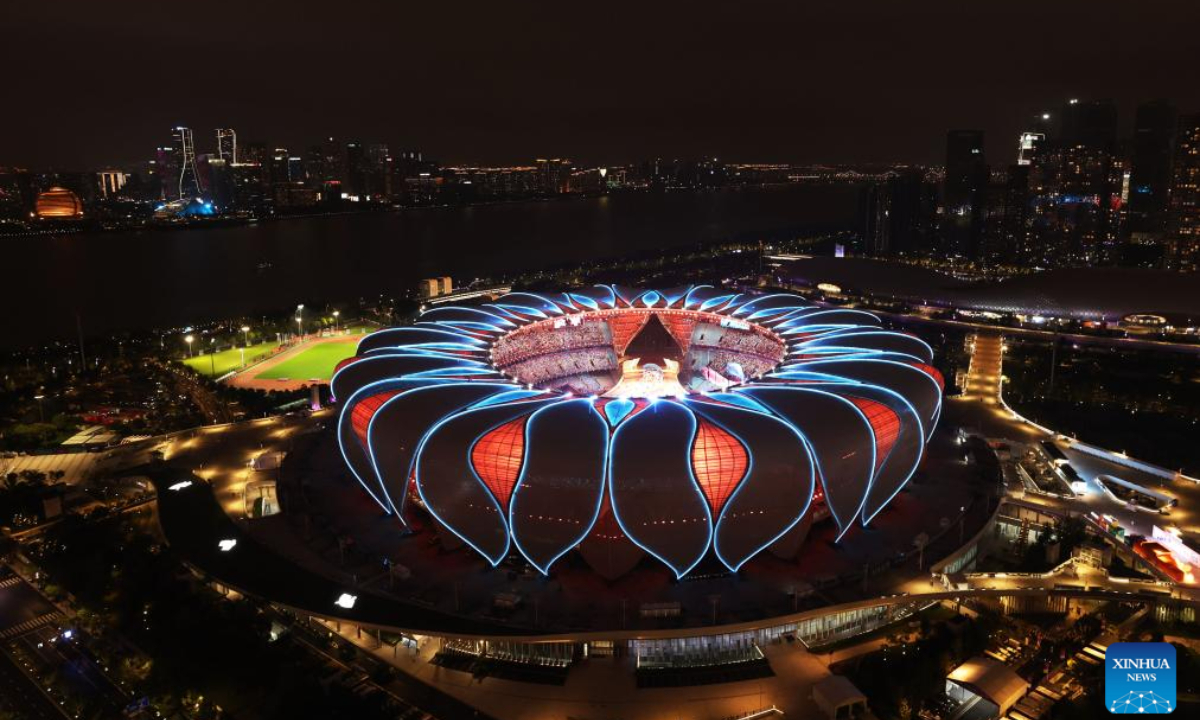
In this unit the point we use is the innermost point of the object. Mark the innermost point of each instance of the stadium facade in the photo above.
(680, 424)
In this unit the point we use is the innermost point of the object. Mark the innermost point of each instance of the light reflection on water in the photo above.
(175, 277)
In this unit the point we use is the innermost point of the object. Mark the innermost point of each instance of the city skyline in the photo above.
(755, 86)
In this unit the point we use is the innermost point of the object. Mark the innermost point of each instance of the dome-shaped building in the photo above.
(58, 203)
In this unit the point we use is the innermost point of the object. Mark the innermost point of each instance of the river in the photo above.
(170, 278)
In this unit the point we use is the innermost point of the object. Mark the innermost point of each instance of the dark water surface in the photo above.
(168, 278)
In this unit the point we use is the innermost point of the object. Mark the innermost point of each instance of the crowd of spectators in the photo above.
(580, 356)
(743, 342)
(752, 365)
(545, 339)
(541, 369)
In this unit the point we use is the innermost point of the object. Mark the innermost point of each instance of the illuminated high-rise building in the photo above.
(16, 193)
(227, 148)
(1150, 179)
(1075, 190)
(356, 169)
(111, 182)
(554, 174)
(1028, 145)
(964, 192)
(1183, 224)
(279, 171)
(188, 179)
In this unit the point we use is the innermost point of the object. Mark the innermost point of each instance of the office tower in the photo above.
(295, 169)
(17, 195)
(874, 208)
(1008, 212)
(218, 178)
(314, 166)
(1091, 123)
(164, 170)
(227, 148)
(278, 170)
(1075, 185)
(553, 175)
(250, 176)
(1075, 206)
(111, 182)
(378, 170)
(333, 161)
(1150, 178)
(253, 153)
(898, 214)
(188, 179)
(1183, 212)
(1027, 146)
(356, 169)
(964, 191)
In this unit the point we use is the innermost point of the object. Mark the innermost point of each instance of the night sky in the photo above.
(89, 83)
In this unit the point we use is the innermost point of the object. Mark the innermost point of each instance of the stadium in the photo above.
(694, 428)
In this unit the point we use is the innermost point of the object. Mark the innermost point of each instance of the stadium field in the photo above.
(229, 360)
(314, 363)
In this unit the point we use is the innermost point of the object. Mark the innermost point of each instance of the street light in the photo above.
(246, 335)
(41, 410)
(336, 313)
(300, 319)
(212, 357)
(188, 339)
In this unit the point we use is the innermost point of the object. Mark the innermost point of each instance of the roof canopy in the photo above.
(991, 680)
(836, 691)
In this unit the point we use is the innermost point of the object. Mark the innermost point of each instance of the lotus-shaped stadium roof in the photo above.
(534, 425)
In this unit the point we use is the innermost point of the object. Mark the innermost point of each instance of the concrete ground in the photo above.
(605, 689)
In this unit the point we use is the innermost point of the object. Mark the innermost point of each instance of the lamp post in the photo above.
(300, 320)
(336, 313)
(41, 410)
(212, 357)
(246, 335)
(188, 339)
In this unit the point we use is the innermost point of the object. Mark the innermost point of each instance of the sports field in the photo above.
(229, 360)
(314, 363)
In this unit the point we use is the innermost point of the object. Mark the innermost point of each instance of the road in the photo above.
(981, 408)
(27, 700)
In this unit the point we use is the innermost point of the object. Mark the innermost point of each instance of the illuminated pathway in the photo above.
(981, 409)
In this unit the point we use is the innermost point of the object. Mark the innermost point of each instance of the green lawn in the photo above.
(229, 360)
(317, 362)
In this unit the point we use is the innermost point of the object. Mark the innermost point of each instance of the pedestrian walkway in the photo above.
(28, 626)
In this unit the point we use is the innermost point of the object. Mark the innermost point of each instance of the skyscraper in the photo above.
(1183, 226)
(964, 191)
(1028, 145)
(188, 181)
(356, 169)
(1150, 181)
(111, 182)
(1091, 123)
(1075, 186)
(898, 214)
(164, 168)
(553, 174)
(1008, 212)
(227, 145)
(279, 169)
